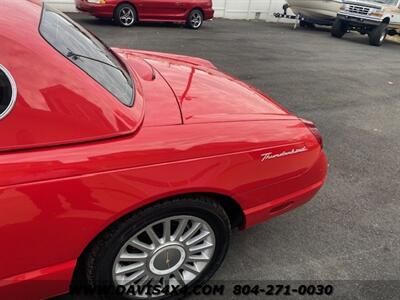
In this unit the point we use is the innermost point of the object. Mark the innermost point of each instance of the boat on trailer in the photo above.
(321, 12)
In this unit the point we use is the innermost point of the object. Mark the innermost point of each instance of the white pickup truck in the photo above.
(377, 18)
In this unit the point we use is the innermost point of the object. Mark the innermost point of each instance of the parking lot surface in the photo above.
(351, 230)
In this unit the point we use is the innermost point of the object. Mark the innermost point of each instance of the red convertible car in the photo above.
(123, 168)
(128, 12)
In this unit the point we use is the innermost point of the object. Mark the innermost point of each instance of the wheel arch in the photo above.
(386, 20)
(230, 205)
(194, 8)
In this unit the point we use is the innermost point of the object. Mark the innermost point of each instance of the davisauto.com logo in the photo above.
(146, 291)
(216, 289)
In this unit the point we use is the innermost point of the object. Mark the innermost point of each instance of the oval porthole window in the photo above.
(8, 92)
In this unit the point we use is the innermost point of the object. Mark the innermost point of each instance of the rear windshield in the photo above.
(87, 52)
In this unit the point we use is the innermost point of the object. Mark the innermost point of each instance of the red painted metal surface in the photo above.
(74, 159)
(53, 107)
(150, 10)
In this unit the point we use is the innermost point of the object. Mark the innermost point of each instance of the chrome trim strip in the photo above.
(370, 5)
(13, 92)
(358, 16)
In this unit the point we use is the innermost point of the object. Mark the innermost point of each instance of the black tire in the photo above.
(195, 19)
(377, 35)
(125, 15)
(339, 29)
(100, 258)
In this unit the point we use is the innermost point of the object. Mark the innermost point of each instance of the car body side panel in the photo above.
(170, 10)
(82, 189)
(38, 284)
(273, 200)
(68, 213)
(155, 145)
(160, 9)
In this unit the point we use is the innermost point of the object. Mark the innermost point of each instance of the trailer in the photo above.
(301, 20)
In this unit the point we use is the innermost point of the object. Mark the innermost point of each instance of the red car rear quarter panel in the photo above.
(70, 194)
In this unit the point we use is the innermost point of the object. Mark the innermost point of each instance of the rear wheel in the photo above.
(339, 28)
(377, 35)
(175, 244)
(125, 15)
(195, 19)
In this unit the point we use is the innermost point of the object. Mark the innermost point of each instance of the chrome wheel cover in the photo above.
(13, 86)
(196, 19)
(169, 252)
(127, 16)
(383, 36)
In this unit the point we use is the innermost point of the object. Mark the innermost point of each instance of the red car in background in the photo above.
(123, 168)
(127, 12)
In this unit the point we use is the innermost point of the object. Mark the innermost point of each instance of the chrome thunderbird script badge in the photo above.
(270, 155)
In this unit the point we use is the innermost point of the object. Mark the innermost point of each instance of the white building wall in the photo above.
(231, 9)
(248, 9)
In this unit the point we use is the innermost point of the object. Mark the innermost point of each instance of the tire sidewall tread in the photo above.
(376, 33)
(338, 28)
(105, 248)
